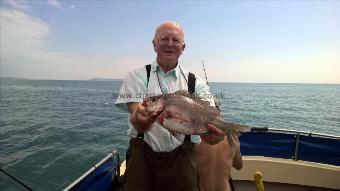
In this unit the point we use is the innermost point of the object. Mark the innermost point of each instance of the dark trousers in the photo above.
(147, 170)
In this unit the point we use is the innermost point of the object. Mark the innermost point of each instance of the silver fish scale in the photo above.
(185, 114)
(197, 113)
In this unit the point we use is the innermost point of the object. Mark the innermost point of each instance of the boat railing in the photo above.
(258, 129)
(293, 144)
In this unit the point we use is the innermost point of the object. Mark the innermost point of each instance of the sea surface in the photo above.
(53, 131)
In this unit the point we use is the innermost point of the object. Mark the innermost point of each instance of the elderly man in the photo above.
(157, 160)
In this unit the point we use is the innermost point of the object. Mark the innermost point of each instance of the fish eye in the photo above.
(153, 99)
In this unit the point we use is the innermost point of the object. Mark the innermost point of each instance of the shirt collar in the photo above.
(155, 67)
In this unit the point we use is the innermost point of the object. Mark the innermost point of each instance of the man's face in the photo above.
(168, 44)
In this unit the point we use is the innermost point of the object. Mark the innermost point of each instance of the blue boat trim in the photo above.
(290, 144)
(277, 143)
(100, 177)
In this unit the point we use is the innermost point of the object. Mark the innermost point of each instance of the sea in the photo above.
(52, 131)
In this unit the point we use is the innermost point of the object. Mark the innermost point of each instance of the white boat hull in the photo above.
(286, 174)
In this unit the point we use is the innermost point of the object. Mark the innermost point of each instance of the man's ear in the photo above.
(154, 45)
(183, 47)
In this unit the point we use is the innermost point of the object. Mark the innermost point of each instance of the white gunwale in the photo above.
(287, 171)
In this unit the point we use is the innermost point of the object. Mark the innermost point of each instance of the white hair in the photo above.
(169, 24)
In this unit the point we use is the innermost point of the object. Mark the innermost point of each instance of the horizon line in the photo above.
(112, 79)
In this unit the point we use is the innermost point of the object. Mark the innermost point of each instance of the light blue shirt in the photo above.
(134, 89)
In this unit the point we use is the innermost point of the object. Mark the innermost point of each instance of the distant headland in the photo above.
(92, 79)
(104, 79)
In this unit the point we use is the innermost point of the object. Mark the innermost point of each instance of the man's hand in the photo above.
(213, 136)
(141, 119)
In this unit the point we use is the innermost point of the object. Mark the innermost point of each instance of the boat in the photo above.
(285, 159)
(101, 177)
(289, 160)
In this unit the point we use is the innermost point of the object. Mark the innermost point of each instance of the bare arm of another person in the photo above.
(140, 118)
(237, 161)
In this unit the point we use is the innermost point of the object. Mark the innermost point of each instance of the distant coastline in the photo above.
(104, 79)
(92, 79)
(13, 78)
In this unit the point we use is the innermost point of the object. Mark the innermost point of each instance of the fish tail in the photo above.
(233, 130)
(237, 128)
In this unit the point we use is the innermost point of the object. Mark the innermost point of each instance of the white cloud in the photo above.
(20, 28)
(54, 3)
(24, 53)
(18, 4)
(22, 40)
(24, 5)
(72, 6)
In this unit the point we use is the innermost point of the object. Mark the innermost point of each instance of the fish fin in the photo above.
(203, 102)
(176, 135)
(233, 131)
(214, 110)
(183, 93)
(173, 133)
(238, 127)
(195, 98)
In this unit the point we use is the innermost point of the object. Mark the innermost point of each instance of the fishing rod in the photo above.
(16, 180)
(217, 104)
(216, 101)
(205, 74)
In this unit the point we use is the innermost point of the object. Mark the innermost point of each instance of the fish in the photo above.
(183, 113)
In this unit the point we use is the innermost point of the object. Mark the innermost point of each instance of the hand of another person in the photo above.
(141, 119)
(213, 136)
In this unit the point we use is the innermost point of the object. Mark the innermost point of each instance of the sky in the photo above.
(239, 41)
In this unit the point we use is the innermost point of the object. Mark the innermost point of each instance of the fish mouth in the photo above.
(154, 108)
(161, 119)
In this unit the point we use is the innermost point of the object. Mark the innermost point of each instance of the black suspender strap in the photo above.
(191, 90)
(191, 79)
(187, 138)
(148, 69)
(191, 83)
(140, 135)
